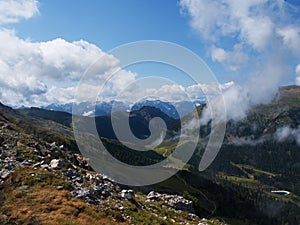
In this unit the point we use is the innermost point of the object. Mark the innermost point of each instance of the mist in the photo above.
(287, 134)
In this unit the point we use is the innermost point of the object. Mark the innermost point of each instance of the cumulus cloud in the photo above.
(213, 19)
(249, 24)
(27, 67)
(291, 37)
(13, 10)
(261, 36)
(40, 73)
(32, 73)
(232, 60)
(198, 91)
(56, 59)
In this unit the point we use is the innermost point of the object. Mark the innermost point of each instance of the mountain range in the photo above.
(260, 154)
(105, 108)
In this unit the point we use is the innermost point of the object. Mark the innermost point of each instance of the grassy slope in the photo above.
(32, 196)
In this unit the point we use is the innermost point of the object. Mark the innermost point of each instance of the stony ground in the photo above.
(46, 183)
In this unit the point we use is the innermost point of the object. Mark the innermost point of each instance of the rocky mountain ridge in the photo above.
(29, 164)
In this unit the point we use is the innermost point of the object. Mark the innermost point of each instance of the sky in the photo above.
(252, 46)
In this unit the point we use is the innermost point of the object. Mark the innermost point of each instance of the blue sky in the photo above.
(48, 44)
(110, 23)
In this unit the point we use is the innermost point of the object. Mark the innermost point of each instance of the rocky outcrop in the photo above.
(91, 187)
(19, 150)
(177, 201)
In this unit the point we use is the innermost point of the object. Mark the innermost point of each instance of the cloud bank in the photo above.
(41, 73)
(257, 39)
(30, 71)
(259, 34)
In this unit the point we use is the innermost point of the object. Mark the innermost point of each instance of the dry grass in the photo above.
(31, 197)
(44, 204)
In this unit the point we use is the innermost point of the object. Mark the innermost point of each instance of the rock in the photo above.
(81, 161)
(81, 193)
(53, 145)
(178, 202)
(60, 187)
(128, 194)
(153, 196)
(4, 173)
(45, 167)
(38, 164)
(8, 166)
(78, 179)
(86, 194)
(193, 216)
(36, 152)
(71, 174)
(28, 162)
(56, 164)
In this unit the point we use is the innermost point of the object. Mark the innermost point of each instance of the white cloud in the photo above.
(208, 18)
(33, 74)
(254, 23)
(297, 70)
(286, 133)
(291, 37)
(260, 38)
(56, 59)
(197, 91)
(11, 11)
(213, 19)
(256, 31)
(232, 60)
(297, 81)
(39, 73)
(26, 67)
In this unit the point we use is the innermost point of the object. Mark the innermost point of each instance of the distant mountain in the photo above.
(59, 107)
(63, 118)
(138, 119)
(259, 154)
(105, 108)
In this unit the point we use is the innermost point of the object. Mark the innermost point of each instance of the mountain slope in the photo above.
(43, 181)
(252, 162)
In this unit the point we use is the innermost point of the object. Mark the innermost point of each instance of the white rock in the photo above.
(56, 164)
(128, 194)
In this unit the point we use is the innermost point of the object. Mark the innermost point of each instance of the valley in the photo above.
(254, 161)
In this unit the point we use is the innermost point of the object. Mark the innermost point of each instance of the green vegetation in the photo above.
(236, 187)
